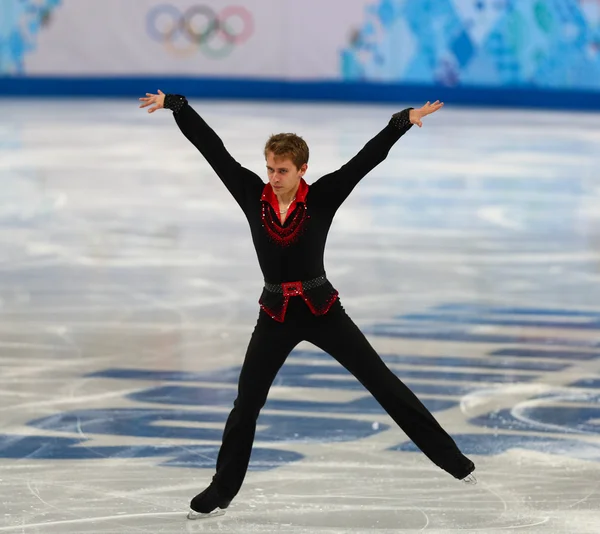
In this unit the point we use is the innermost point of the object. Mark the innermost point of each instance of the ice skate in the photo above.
(469, 479)
(209, 503)
(192, 515)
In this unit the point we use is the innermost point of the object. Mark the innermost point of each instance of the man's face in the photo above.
(283, 175)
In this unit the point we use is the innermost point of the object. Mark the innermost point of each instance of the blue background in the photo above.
(493, 52)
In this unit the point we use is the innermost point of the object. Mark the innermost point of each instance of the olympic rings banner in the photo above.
(150, 37)
(200, 29)
(532, 44)
(233, 38)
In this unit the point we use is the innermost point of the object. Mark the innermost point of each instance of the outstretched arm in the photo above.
(336, 187)
(238, 180)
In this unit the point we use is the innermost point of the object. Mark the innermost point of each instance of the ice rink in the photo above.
(128, 292)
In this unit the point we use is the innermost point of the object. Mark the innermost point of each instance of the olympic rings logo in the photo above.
(200, 28)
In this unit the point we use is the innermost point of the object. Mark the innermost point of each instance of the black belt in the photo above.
(289, 289)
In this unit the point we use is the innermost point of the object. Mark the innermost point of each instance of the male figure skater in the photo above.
(289, 222)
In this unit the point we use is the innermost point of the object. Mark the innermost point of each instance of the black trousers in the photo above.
(336, 334)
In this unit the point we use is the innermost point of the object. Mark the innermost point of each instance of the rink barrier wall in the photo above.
(312, 91)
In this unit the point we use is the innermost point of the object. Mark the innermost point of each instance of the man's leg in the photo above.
(340, 337)
(269, 346)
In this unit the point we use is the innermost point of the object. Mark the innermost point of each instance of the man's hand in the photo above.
(156, 101)
(417, 114)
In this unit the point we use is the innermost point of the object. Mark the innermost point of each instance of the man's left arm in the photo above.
(335, 187)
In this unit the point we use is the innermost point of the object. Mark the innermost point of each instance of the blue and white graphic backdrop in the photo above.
(527, 44)
(500, 43)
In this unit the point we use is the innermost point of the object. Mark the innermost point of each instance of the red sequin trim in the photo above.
(328, 304)
(279, 317)
(284, 235)
(322, 310)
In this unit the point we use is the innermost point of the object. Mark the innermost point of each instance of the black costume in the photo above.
(291, 259)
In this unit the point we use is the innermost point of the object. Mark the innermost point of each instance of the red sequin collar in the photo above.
(269, 196)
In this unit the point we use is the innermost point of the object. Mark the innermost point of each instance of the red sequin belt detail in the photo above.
(284, 235)
(299, 289)
(290, 289)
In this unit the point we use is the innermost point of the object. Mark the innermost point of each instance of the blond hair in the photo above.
(288, 145)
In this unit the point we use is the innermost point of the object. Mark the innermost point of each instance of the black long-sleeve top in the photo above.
(292, 251)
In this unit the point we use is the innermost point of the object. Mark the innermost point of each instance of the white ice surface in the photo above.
(119, 248)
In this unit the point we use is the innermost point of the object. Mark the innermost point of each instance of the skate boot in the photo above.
(209, 503)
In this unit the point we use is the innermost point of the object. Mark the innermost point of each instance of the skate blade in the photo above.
(470, 479)
(193, 515)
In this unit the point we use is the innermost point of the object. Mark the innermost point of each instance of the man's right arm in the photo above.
(236, 178)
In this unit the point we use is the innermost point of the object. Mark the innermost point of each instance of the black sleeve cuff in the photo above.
(401, 120)
(175, 102)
